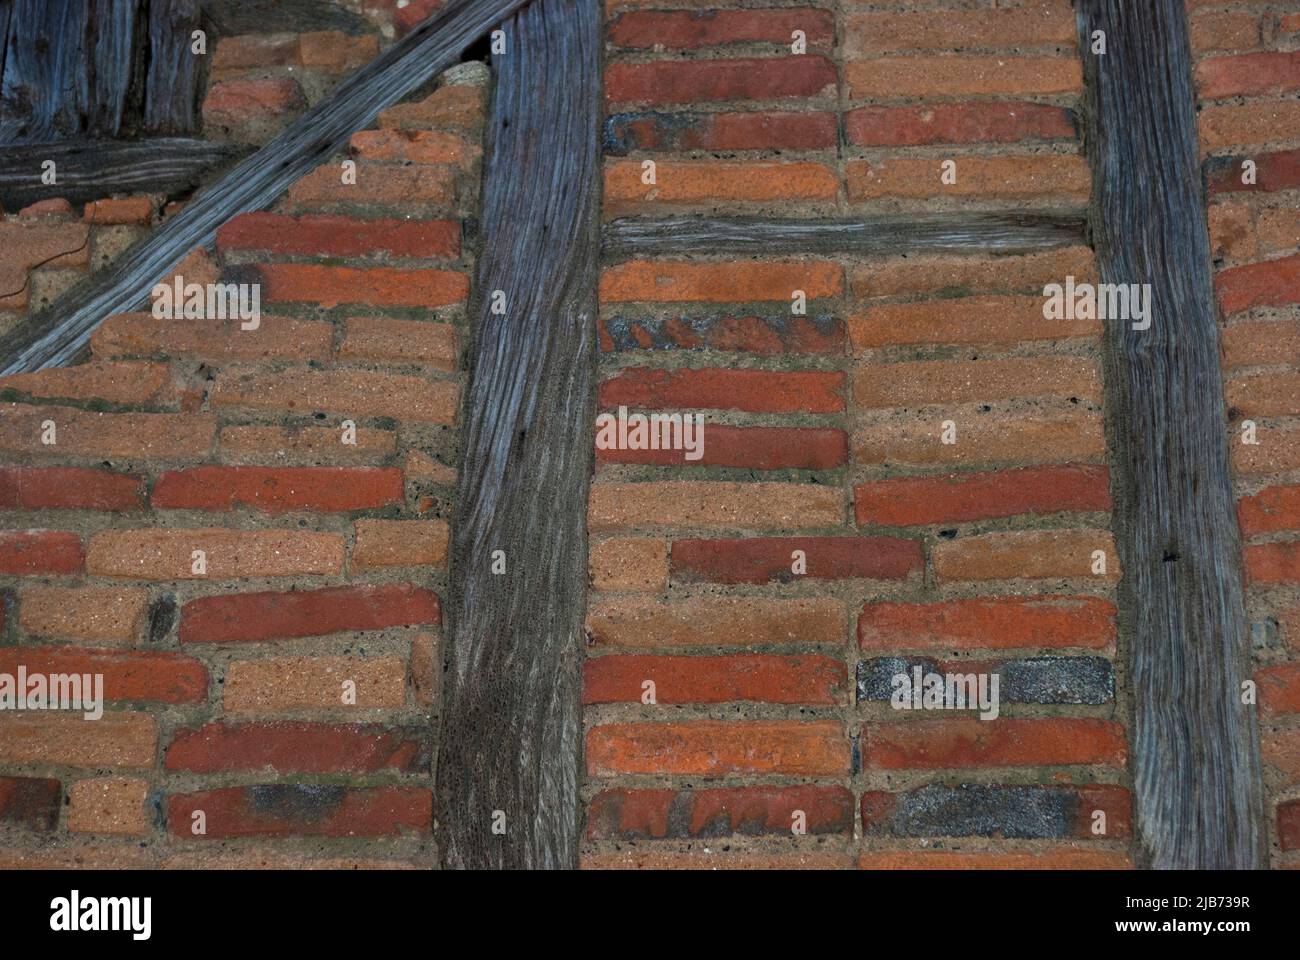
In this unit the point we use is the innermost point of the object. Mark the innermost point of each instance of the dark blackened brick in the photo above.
(1010, 811)
(769, 335)
(1026, 680)
(30, 802)
(723, 812)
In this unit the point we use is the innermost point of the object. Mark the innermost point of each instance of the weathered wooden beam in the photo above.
(94, 169)
(1195, 745)
(511, 734)
(933, 233)
(60, 333)
(174, 74)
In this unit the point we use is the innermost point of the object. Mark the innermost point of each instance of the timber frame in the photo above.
(511, 744)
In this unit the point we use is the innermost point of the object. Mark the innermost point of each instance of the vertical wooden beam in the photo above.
(511, 733)
(1195, 744)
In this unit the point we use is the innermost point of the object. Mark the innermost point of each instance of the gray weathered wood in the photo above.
(1195, 745)
(94, 169)
(174, 73)
(510, 738)
(59, 335)
(932, 233)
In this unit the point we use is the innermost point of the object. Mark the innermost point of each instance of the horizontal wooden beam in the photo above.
(935, 233)
(92, 170)
(59, 334)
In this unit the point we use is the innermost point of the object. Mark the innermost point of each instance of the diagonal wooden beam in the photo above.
(1009, 233)
(1195, 745)
(511, 734)
(57, 335)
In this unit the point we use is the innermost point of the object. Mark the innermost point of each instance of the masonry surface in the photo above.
(327, 561)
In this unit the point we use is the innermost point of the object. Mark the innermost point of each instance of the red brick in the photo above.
(768, 559)
(1250, 74)
(1273, 171)
(994, 122)
(335, 51)
(1288, 825)
(377, 286)
(735, 677)
(350, 393)
(134, 675)
(406, 341)
(278, 489)
(31, 803)
(154, 436)
(68, 488)
(1279, 688)
(325, 235)
(716, 621)
(716, 748)
(959, 497)
(961, 76)
(1270, 510)
(760, 130)
(254, 617)
(755, 448)
(238, 98)
(756, 391)
(692, 29)
(283, 810)
(1273, 562)
(127, 210)
(292, 747)
(666, 281)
(98, 615)
(415, 146)
(992, 623)
(112, 381)
(1269, 284)
(36, 552)
(750, 811)
(961, 742)
(962, 320)
(700, 81)
(255, 52)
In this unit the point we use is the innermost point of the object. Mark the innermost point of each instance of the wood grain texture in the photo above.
(1008, 233)
(94, 169)
(511, 732)
(1195, 745)
(58, 335)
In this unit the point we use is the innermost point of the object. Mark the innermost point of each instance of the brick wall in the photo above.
(824, 435)
(1248, 81)
(285, 690)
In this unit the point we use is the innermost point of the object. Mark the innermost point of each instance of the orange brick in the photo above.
(665, 281)
(123, 382)
(83, 433)
(280, 684)
(1232, 231)
(352, 393)
(335, 51)
(960, 381)
(961, 742)
(400, 543)
(982, 439)
(629, 565)
(166, 554)
(1260, 343)
(141, 335)
(1277, 451)
(407, 341)
(114, 805)
(713, 180)
(1066, 177)
(1035, 24)
(717, 621)
(1225, 30)
(304, 446)
(101, 615)
(378, 286)
(117, 739)
(967, 275)
(892, 77)
(1025, 555)
(1275, 394)
(714, 748)
(1249, 124)
(377, 184)
(743, 506)
(457, 107)
(415, 146)
(130, 210)
(960, 321)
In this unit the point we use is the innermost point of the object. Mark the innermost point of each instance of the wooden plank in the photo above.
(511, 731)
(1195, 746)
(935, 233)
(44, 84)
(172, 80)
(114, 65)
(59, 334)
(91, 169)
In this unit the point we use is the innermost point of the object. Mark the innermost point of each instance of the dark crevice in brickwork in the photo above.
(1195, 744)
